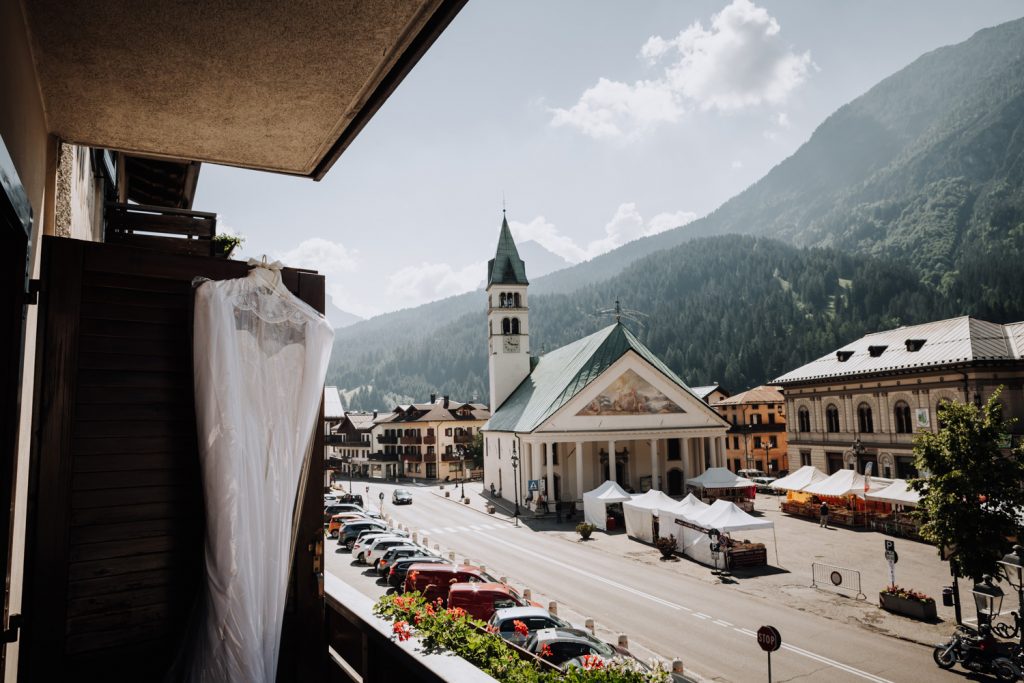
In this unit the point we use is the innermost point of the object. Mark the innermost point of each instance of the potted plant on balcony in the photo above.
(584, 529)
(907, 602)
(224, 244)
(666, 546)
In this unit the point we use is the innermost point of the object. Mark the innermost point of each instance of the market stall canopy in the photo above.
(641, 510)
(808, 475)
(595, 502)
(690, 505)
(897, 493)
(845, 483)
(720, 478)
(726, 516)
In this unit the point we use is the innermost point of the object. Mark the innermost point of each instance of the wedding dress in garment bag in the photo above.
(261, 359)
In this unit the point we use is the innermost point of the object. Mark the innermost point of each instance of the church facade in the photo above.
(603, 407)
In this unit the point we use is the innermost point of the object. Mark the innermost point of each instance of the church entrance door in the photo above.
(675, 482)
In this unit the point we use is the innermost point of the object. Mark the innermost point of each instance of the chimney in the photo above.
(375, 415)
(445, 401)
(433, 398)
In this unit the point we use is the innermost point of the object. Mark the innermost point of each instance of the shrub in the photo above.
(905, 593)
(667, 545)
(584, 529)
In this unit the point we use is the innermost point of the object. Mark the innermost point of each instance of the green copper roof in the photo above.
(563, 373)
(506, 267)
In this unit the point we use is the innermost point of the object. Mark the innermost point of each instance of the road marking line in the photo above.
(464, 528)
(701, 615)
(724, 624)
(451, 529)
(615, 584)
(477, 527)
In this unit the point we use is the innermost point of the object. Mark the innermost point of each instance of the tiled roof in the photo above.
(360, 420)
(703, 392)
(941, 343)
(761, 394)
(563, 373)
(506, 267)
(432, 412)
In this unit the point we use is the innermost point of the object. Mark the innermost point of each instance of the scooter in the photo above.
(976, 652)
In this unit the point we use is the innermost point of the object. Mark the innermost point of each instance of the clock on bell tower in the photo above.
(508, 327)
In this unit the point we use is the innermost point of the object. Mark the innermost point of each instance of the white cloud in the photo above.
(737, 164)
(625, 226)
(326, 257)
(738, 61)
(414, 285)
(782, 119)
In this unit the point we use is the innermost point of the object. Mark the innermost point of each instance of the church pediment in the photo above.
(630, 395)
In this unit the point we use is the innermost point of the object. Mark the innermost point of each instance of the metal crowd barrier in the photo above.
(840, 578)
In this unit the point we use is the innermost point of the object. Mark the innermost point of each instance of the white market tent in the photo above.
(686, 509)
(897, 493)
(726, 517)
(595, 503)
(720, 478)
(845, 483)
(808, 475)
(641, 511)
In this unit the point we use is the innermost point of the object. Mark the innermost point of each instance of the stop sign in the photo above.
(769, 639)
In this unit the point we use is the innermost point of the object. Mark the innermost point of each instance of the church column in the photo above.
(535, 467)
(579, 470)
(684, 459)
(655, 475)
(721, 452)
(550, 447)
(611, 460)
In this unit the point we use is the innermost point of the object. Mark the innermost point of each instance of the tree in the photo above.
(974, 492)
(476, 450)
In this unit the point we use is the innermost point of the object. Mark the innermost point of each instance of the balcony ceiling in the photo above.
(275, 86)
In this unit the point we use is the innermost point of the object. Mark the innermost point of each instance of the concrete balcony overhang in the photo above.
(281, 87)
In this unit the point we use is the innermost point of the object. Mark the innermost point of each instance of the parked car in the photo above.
(401, 497)
(366, 541)
(480, 600)
(355, 498)
(535, 618)
(348, 533)
(760, 478)
(336, 508)
(339, 519)
(400, 568)
(433, 581)
(375, 551)
(397, 552)
(570, 643)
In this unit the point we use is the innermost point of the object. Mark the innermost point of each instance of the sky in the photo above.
(594, 122)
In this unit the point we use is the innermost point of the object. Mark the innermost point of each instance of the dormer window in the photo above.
(876, 351)
(914, 344)
(843, 356)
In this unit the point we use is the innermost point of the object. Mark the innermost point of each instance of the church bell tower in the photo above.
(508, 326)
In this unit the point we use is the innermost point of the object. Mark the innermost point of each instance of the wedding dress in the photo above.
(261, 358)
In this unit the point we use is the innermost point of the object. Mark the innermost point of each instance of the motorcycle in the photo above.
(978, 652)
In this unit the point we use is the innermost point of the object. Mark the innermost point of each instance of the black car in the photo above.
(401, 497)
(348, 533)
(399, 570)
(353, 498)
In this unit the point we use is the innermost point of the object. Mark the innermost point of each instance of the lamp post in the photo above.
(988, 600)
(462, 478)
(515, 480)
(1013, 569)
(858, 451)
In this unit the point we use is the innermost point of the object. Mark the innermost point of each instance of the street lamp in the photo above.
(515, 480)
(1013, 569)
(858, 450)
(462, 463)
(988, 599)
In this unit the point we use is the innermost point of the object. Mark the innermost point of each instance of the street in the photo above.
(711, 627)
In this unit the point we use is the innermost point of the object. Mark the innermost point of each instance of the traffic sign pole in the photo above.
(769, 666)
(769, 640)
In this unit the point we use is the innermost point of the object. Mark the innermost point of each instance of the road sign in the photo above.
(715, 547)
(714, 533)
(533, 485)
(891, 557)
(381, 496)
(890, 545)
(769, 639)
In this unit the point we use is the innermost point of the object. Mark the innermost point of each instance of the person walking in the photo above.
(823, 515)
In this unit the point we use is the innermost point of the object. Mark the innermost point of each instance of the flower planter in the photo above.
(915, 609)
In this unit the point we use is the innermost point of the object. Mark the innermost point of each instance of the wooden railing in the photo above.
(177, 231)
(361, 648)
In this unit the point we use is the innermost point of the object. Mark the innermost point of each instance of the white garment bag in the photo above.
(261, 359)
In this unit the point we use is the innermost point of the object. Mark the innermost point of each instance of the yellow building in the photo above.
(757, 432)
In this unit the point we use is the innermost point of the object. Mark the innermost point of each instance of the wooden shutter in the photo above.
(115, 539)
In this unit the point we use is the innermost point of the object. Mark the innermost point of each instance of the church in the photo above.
(603, 407)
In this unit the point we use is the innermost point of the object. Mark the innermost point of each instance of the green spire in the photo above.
(506, 267)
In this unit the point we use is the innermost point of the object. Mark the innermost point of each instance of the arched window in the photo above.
(502, 300)
(804, 420)
(506, 326)
(515, 325)
(832, 418)
(515, 300)
(864, 421)
(901, 413)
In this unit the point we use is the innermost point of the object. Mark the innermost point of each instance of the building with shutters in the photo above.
(860, 405)
(757, 430)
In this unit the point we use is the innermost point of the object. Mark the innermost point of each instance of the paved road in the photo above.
(711, 627)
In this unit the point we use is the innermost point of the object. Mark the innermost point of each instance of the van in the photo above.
(434, 580)
(480, 600)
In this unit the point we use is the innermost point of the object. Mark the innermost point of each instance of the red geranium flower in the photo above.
(592, 662)
(457, 612)
(521, 628)
(401, 630)
(545, 651)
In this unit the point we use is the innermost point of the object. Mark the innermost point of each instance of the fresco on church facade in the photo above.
(630, 394)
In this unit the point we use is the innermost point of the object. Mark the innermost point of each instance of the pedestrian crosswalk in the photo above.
(441, 530)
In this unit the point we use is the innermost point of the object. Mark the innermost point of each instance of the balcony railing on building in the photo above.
(412, 440)
(463, 438)
(171, 230)
(387, 438)
(430, 440)
(412, 457)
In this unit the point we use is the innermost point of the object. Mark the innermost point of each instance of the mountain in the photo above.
(541, 260)
(339, 318)
(920, 181)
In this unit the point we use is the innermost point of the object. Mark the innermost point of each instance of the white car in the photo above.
(380, 546)
(366, 543)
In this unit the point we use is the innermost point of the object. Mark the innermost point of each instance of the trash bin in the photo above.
(610, 523)
(947, 596)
